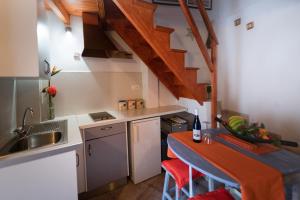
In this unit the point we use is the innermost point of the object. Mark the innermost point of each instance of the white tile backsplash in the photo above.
(84, 92)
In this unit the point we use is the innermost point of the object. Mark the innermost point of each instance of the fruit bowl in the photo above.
(253, 133)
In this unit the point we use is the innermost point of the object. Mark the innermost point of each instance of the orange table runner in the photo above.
(254, 148)
(258, 181)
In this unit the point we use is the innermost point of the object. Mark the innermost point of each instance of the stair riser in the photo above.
(163, 38)
(152, 45)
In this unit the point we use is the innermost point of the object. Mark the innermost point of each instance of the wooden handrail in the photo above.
(210, 61)
(206, 20)
(196, 33)
(214, 84)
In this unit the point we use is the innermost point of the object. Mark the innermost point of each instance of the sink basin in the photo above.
(100, 116)
(35, 141)
(38, 136)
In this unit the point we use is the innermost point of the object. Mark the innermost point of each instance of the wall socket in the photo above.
(250, 26)
(237, 22)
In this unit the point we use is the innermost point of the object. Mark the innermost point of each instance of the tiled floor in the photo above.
(147, 190)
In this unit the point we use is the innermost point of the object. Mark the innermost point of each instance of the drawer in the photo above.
(104, 131)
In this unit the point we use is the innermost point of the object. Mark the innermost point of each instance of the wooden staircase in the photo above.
(133, 20)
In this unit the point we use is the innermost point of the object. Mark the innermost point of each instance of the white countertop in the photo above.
(85, 121)
(77, 122)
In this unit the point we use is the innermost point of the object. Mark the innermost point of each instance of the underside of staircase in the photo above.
(133, 20)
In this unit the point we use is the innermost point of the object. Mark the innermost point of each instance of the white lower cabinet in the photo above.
(80, 165)
(47, 178)
(145, 149)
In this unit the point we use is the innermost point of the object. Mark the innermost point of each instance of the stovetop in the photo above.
(100, 116)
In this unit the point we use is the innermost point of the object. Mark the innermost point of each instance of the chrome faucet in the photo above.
(21, 131)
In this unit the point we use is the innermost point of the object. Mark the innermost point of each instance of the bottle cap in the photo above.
(196, 111)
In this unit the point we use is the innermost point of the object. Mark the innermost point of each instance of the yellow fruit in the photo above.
(265, 137)
(235, 122)
(232, 118)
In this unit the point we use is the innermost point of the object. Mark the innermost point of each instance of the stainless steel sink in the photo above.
(38, 136)
(35, 141)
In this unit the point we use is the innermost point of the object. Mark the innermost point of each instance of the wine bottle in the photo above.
(197, 137)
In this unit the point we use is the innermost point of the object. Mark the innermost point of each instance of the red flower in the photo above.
(52, 91)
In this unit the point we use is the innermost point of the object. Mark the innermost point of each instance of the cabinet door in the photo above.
(18, 38)
(145, 149)
(80, 169)
(106, 160)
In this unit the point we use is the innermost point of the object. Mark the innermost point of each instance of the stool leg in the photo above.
(176, 193)
(211, 184)
(191, 181)
(166, 185)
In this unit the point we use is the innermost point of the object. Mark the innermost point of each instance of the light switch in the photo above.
(250, 26)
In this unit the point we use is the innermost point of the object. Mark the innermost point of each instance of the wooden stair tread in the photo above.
(178, 50)
(192, 68)
(152, 44)
(164, 29)
(177, 84)
(145, 4)
(203, 84)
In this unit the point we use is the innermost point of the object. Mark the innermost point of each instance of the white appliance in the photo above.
(145, 149)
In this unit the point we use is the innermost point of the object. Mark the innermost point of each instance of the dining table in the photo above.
(286, 162)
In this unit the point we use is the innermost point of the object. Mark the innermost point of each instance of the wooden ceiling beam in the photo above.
(59, 9)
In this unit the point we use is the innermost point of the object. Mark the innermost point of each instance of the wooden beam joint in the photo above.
(59, 9)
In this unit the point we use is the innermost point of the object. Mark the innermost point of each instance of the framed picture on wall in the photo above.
(194, 4)
(190, 3)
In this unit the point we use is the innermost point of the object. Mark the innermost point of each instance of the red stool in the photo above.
(179, 171)
(220, 194)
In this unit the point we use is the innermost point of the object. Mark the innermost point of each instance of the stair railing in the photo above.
(211, 61)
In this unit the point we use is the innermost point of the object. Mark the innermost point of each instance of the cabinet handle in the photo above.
(77, 160)
(136, 134)
(90, 150)
(106, 128)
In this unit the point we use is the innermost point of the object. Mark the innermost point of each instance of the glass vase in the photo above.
(51, 111)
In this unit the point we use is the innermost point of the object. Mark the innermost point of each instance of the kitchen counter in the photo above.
(73, 141)
(85, 121)
(77, 122)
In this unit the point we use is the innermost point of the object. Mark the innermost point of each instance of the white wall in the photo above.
(193, 58)
(85, 92)
(64, 45)
(258, 69)
(84, 73)
(180, 38)
(89, 84)
(94, 83)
